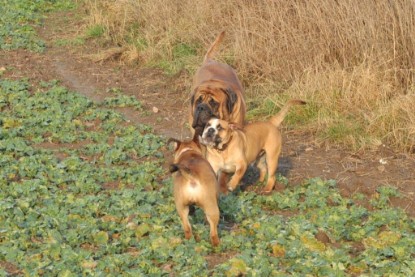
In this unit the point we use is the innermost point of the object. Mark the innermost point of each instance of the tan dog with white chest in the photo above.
(194, 183)
(231, 148)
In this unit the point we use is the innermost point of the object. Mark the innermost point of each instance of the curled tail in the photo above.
(214, 45)
(279, 117)
(184, 170)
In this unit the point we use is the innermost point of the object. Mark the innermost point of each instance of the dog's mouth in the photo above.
(211, 141)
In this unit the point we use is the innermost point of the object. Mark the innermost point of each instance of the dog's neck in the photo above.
(225, 145)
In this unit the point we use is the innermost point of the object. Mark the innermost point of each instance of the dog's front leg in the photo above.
(223, 179)
(237, 176)
(221, 176)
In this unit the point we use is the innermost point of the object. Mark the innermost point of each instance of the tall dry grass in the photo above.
(352, 60)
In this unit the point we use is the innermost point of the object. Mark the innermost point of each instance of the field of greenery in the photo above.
(83, 192)
(18, 18)
(106, 207)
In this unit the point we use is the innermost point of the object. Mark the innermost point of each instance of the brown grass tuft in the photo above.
(352, 60)
(107, 54)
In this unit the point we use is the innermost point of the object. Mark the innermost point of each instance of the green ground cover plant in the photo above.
(105, 207)
(83, 192)
(18, 19)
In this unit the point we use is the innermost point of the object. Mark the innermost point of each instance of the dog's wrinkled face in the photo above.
(211, 102)
(216, 133)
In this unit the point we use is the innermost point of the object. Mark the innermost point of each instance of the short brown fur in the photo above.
(231, 148)
(194, 183)
(218, 82)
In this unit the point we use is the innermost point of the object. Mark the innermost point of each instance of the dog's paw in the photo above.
(230, 188)
(266, 192)
(215, 240)
(224, 191)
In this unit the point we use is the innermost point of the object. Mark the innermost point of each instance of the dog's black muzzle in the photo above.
(201, 116)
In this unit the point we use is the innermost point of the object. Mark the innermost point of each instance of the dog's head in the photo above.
(208, 102)
(218, 133)
(181, 146)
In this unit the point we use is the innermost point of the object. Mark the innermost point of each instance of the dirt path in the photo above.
(166, 104)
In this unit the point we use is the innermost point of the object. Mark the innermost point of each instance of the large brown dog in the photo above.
(194, 183)
(217, 92)
(231, 148)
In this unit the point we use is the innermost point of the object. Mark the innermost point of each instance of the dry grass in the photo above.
(353, 61)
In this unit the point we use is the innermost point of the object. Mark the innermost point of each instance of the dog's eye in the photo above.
(213, 103)
(199, 100)
(219, 128)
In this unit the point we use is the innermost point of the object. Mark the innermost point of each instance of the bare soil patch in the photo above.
(165, 101)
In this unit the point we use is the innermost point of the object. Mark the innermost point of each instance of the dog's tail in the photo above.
(214, 45)
(279, 117)
(182, 168)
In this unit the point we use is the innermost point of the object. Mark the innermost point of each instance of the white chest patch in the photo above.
(220, 164)
(230, 168)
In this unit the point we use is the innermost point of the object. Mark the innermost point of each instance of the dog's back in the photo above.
(195, 179)
(267, 132)
(257, 135)
(216, 71)
(195, 183)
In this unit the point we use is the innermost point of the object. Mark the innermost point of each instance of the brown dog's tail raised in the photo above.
(279, 117)
(214, 45)
(184, 170)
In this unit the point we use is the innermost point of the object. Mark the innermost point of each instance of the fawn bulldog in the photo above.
(217, 92)
(194, 183)
(231, 148)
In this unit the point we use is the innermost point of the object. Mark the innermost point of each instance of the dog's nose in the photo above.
(210, 132)
(201, 108)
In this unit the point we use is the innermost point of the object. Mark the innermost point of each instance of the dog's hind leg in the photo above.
(272, 164)
(262, 166)
(212, 215)
(183, 212)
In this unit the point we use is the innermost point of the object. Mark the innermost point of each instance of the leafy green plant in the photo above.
(121, 101)
(383, 196)
(18, 19)
(97, 202)
(114, 90)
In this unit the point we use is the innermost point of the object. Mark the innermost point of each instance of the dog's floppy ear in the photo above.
(234, 126)
(175, 141)
(232, 97)
(173, 168)
(192, 99)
